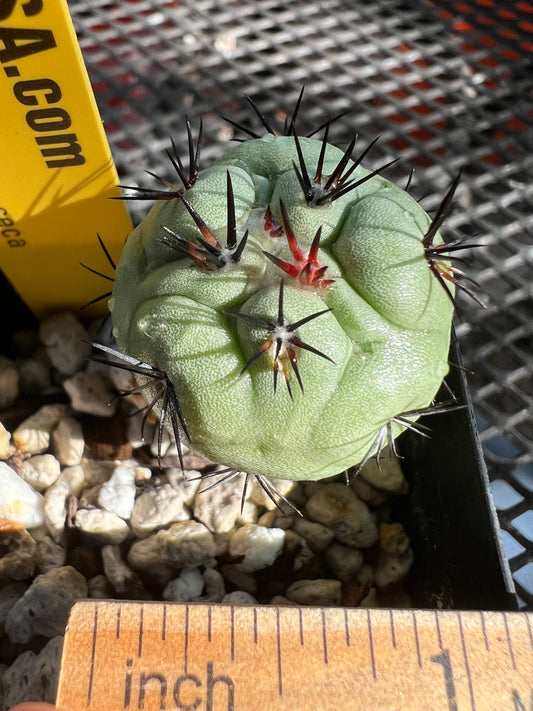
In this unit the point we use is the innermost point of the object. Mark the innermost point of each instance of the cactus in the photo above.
(286, 260)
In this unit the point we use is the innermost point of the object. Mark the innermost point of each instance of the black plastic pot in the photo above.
(449, 513)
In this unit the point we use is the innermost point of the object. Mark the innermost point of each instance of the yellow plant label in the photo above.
(57, 173)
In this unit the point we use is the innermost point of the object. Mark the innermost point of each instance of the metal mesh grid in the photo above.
(445, 83)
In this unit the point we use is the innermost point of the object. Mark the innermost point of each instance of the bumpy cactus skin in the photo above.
(386, 333)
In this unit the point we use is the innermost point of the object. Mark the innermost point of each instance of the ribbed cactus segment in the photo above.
(292, 298)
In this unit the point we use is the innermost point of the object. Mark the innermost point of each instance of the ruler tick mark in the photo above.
(371, 644)
(255, 625)
(209, 619)
(164, 624)
(186, 641)
(93, 656)
(437, 625)
(467, 662)
(117, 631)
(484, 629)
(141, 621)
(392, 630)
(232, 636)
(324, 636)
(301, 622)
(278, 638)
(346, 627)
(517, 701)
(509, 641)
(417, 640)
(528, 623)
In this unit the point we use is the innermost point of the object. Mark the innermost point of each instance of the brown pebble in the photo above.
(18, 554)
(393, 538)
(353, 592)
(241, 580)
(106, 437)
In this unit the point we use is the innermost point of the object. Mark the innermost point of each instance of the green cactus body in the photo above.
(382, 345)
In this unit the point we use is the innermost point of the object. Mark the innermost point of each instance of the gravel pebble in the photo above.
(189, 585)
(238, 578)
(102, 527)
(89, 392)
(368, 493)
(260, 497)
(49, 554)
(33, 434)
(239, 597)
(33, 676)
(145, 557)
(44, 607)
(315, 592)
(187, 544)
(343, 561)
(6, 448)
(68, 442)
(34, 376)
(19, 554)
(100, 588)
(41, 471)
(18, 500)
(9, 594)
(65, 340)
(158, 508)
(337, 506)
(219, 508)
(259, 545)
(387, 474)
(215, 588)
(117, 495)
(186, 483)
(316, 534)
(123, 579)
(395, 556)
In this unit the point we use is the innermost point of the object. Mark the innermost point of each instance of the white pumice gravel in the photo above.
(65, 340)
(259, 546)
(6, 448)
(19, 501)
(188, 586)
(75, 522)
(41, 471)
(157, 508)
(117, 495)
(90, 393)
(32, 436)
(67, 441)
(103, 527)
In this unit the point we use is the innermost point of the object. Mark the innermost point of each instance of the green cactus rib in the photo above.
(224, 282)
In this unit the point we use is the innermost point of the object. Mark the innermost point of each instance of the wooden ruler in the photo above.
(57, 171)
(198, 657)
